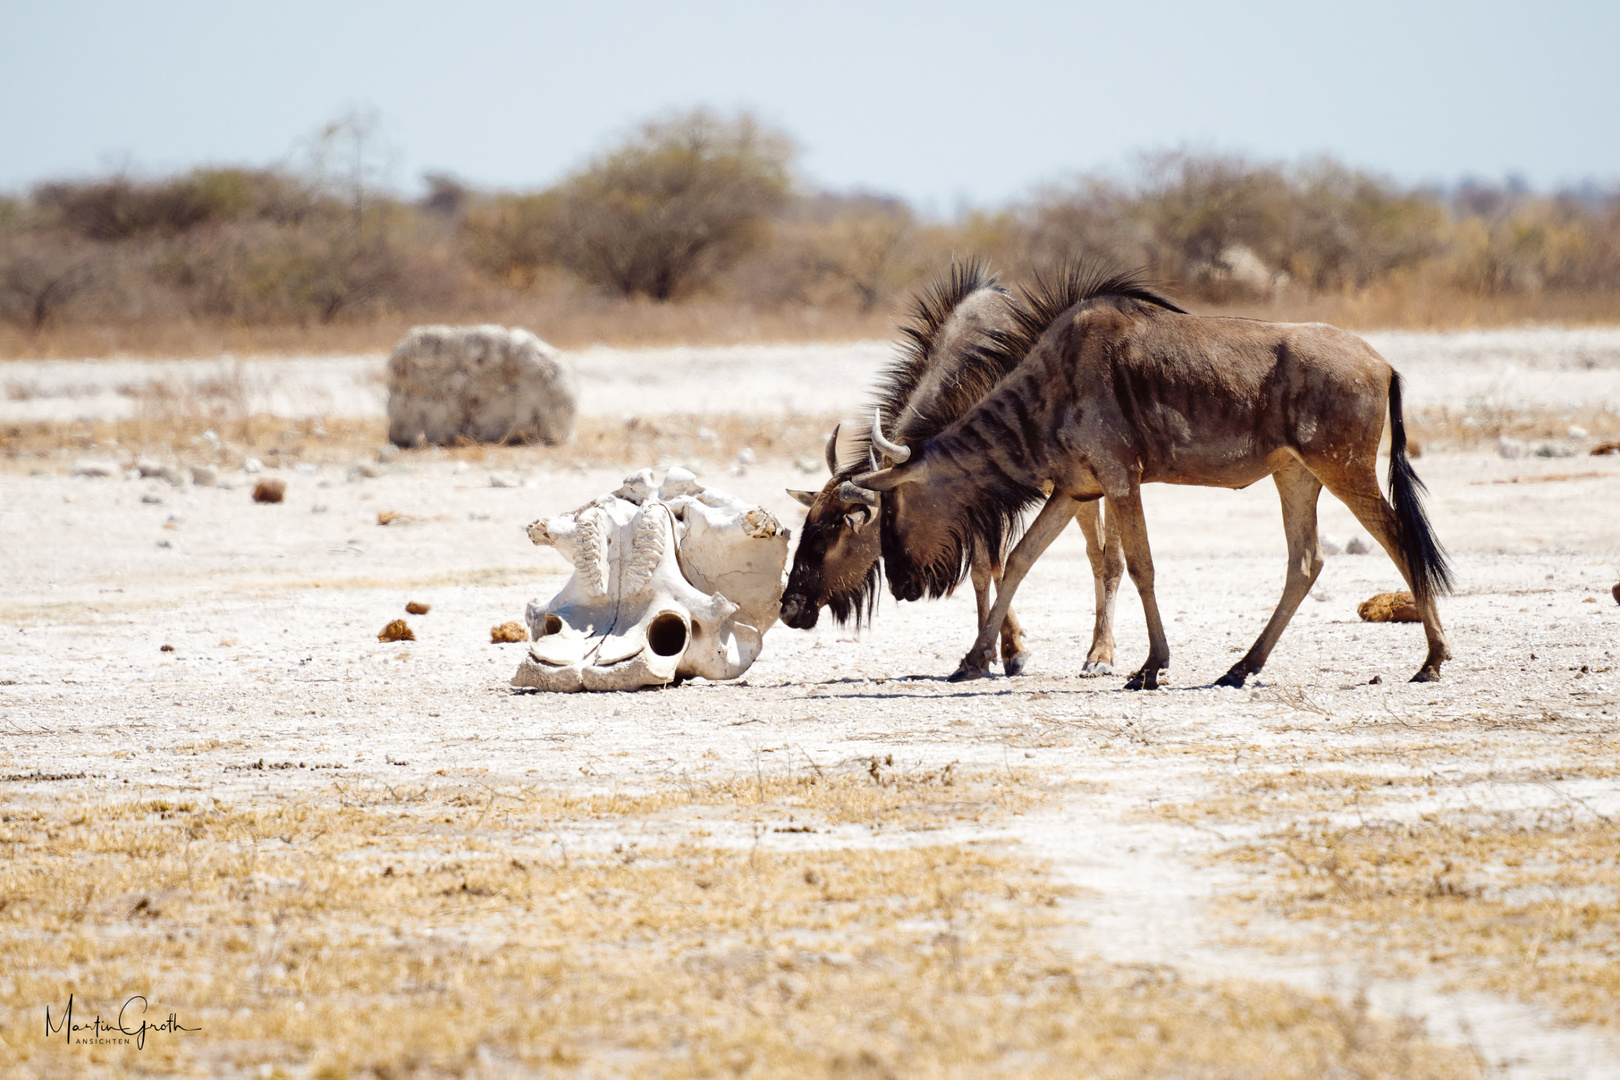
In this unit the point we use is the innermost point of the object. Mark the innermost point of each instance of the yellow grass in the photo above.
(1526, 909)
(375, 932)
(574, 320)
(600, 441)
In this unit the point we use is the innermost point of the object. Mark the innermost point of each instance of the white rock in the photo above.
(387, 454)
(745, 456)
(96, 468)
(1554, 450)
(504, 480)
(204, 475)
(307, 468)
(1330, 545)
(1509, 447)
(671, 583)
(1577, 433)
(252, 465)
(1357, 546)
(485, 383)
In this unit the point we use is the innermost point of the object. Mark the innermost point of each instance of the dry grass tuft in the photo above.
(396, 630)
(508, 633)
(1389, 607)
(484, 929)
(269, 491)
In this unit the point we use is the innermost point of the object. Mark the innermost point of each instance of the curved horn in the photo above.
(895, 451)
(832, 449)
(851, 493)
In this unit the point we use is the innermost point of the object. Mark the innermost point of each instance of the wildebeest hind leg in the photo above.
(1139, 561)
(1036, 539)
(1298, 490)
(1360, 492)
(1107, 557)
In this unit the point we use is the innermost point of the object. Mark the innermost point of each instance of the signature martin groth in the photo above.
(99, 1032)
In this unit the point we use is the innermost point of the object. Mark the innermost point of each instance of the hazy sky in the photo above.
(942, 102)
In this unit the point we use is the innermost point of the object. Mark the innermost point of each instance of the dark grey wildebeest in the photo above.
(950, 359)
(1115, 388)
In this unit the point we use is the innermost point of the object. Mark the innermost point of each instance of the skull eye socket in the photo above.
(666, 634)
(552, 625)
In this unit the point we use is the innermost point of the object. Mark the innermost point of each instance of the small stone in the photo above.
(307, 468)
(1577, 433)
(745, 456)
(148, 468)
(204, 475)
(367, 469)
(319, 508)
(504, 480)
(151, 499)
(459, 468)
(1509, 447)
(1357, 546)
(387, 454)
(252, 465)
(99, 469)
(165, 648)
(1330, 545)
(269, 491)
(1376, 680)
(415, 608)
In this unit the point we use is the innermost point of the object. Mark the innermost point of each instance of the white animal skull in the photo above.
(667, 585)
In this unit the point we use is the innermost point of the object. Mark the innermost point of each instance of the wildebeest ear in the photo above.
(808, 498)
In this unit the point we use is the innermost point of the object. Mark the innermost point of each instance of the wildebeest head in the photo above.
(836, 564)
(924, 551)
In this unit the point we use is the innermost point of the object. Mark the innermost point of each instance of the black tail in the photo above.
(1425, 558)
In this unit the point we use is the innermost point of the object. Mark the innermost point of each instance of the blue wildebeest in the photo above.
(1113, 387)
(950, 359)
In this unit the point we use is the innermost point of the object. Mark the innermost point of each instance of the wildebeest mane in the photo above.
(973, 371)
(1001, 500)
(1054, 292)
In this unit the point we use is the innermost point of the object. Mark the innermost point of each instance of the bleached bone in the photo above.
(670, 582)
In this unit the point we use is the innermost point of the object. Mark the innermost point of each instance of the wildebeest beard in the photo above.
(937, 552)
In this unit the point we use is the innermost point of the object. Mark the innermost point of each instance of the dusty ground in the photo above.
(191, 668)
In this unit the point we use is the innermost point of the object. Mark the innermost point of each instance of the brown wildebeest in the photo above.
(1119, 388)
(948, 364)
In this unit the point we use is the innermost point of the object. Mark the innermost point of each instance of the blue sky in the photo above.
(944, 103)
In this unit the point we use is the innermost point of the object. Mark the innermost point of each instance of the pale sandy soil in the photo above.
(272, 613)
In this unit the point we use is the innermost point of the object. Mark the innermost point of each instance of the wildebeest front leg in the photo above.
(1014, 656)
(1298, 490)
(1139, 561)
(1107, 557)
(1039, 536)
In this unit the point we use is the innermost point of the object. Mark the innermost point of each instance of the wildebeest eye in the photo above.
(857, 518)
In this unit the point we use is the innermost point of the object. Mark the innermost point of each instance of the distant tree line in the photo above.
(703, 204)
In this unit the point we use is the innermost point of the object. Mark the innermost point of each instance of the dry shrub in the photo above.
(414, 608)
(397, 630)
(508, 633)
(269, 491)
(1389, 607)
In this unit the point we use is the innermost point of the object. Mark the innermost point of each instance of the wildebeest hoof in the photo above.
(1015, 665)
(1428, 674)
(967, 673)
(1232, 679)
(1096, 667)
(1143, 680)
